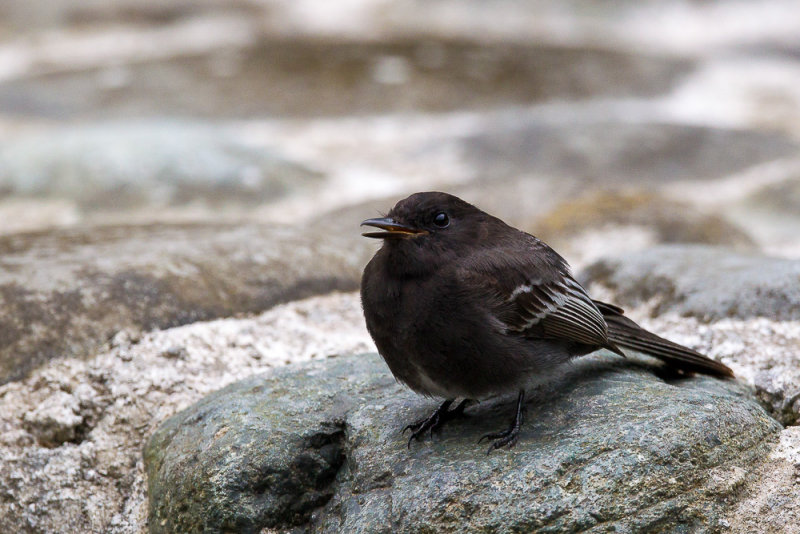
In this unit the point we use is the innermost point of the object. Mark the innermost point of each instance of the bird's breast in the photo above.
(393, 310)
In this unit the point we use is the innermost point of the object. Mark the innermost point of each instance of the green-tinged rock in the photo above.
(700, 281)
(607, 446)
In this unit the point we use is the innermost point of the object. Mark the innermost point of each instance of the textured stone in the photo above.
(705, 282)
(607, 445)
(56, 420)
(105, 407)
(68, 292)
(771, 498)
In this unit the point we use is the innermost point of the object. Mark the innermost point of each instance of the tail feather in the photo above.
(625, 333)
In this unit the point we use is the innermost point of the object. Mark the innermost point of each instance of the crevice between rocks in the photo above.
(783, 410)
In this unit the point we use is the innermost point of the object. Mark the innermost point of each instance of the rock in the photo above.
(771, 498)
(670, 221)
(771, 213)
(94, 480)
(68, 292)
(704, 282)
(624, 24)
(742, 309)
(777, 389)
(61, 13)
(20, 215)
(783, 196)
(265, 75)
(594, 225)
(607, 445)
(123, 165)
(617, 153)
(485, 159)
(56, 420)
(762, 353)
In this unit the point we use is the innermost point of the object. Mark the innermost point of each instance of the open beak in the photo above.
(391, 229)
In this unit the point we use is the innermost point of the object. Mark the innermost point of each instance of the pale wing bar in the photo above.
(559, 310)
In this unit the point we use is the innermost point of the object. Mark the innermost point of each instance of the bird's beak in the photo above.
(392, 229)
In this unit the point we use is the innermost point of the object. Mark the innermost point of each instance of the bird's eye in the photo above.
(441, 220)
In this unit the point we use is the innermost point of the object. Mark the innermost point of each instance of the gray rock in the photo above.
(783, 196)
(771, 498)
(611, 153)
(111, 166)
(704, 282)
(755, 299)
(626, 23)
(773, 211)
(55, 421)
(302, 77)
(608, 445)
(68, 292)
(664, 220)
(60, 14)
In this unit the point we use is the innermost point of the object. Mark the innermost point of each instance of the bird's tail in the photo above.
(625, 333)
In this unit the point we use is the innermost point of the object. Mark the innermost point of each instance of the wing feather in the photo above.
(556, 310)
(537, 297)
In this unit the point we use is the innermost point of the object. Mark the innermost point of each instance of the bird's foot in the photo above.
(436, 420)
(508, 437)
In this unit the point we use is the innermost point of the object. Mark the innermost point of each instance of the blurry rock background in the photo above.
(167, 163)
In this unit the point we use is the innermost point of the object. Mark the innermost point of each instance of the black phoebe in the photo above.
(462, 305)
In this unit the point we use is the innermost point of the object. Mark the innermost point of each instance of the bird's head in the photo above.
(437, 226)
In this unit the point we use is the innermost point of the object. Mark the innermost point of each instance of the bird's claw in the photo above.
(436, 420)
(507, 438)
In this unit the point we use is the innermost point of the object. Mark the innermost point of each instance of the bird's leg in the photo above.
(435, 421)
(508, 437)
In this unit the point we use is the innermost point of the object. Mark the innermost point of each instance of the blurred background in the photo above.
(598, 126)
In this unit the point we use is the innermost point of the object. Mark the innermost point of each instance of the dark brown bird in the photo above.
(462, 305)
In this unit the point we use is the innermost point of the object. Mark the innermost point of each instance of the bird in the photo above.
(462, 305)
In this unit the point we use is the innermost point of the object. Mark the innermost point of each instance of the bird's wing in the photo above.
(534, 295)
(555, 310)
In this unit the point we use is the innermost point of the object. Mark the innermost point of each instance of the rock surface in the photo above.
(771, 499)
(740, 308)
(114, 166)
(67, 293)
(302, 77)
(762, 352)
(685, 177)
(704, 282)
(72, 433)
(607, 445)
(670, 221)
(590, 150)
